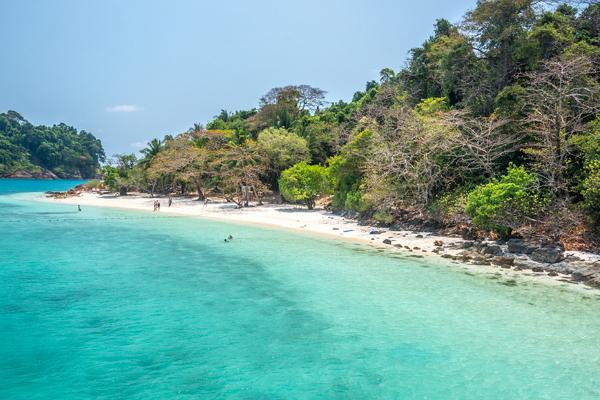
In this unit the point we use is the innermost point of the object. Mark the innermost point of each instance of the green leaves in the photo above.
(502, 204)
(304, 182)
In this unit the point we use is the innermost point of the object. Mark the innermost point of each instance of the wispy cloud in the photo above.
(139, 145)
(123, 108)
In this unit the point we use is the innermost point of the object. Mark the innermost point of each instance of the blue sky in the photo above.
(129, 71)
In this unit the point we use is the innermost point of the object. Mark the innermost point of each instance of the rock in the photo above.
(419, 236)
(416, 248)
(398, 245)
(469, 234)
(492, 249)
(517, 246)
(447, 256)
(582, 275)
(387, 241)
(547, 255)
(407, 247)
(438, 243)
(537, 269)
(467, 245)
(436, 250)
(552, 273)
(572, 258)
(503, 261)
(561, 267)
(478, 260)
(594, 282)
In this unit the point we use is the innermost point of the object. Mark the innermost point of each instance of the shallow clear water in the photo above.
(108, 304)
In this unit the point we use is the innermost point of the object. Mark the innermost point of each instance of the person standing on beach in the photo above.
(170, 200)
(205, 201)
(157, 205)
(155, 201)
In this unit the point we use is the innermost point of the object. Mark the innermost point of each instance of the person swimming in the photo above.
(78, 207)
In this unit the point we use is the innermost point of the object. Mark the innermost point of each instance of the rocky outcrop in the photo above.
(43, 174)
(520, 255)
(549, 255)
(76, 191)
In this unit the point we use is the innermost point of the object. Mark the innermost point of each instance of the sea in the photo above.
(115, 304)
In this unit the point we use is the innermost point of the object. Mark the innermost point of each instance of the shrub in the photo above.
(304, 182)
(383, 217)
(591, 188)
(450, 206)
(503, 204)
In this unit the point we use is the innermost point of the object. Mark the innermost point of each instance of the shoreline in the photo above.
(412, 244)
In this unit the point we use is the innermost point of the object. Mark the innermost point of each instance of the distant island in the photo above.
(46, 152)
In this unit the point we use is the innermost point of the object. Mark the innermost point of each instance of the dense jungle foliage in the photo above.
(28, 150)
(492, 121)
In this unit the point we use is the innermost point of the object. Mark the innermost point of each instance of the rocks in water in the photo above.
(447, 256)
(416, 248)
(479, 260)
(561, 267)
(419, 236)
(582, 275)
(552, 273)
(547, 255)
(387, 241)
(438, 243)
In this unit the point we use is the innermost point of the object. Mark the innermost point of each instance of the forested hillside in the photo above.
(492, 123)
(46, 151)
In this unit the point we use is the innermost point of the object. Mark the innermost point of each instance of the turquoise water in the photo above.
(108, 304)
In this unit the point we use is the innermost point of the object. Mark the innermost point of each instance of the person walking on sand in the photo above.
(157, 205)
(205, 201)
(170, 200)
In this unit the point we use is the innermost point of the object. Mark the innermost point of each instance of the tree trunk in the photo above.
(201, 195)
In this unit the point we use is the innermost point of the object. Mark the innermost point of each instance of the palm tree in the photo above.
(154, 146)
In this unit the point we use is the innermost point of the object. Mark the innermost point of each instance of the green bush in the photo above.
(591, 188)
(449, 207)
(304, 182)
(383, 217)
(503, 204)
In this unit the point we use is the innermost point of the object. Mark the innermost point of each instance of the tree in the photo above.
(305, 97)
(183, 162)
(281, 149)
(482, 142)
(238, 169)
(304, 182)
(150, 151)
(501, 205)
(559, 100)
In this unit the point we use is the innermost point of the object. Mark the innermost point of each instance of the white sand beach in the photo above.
(319, 221)
(286, 216)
